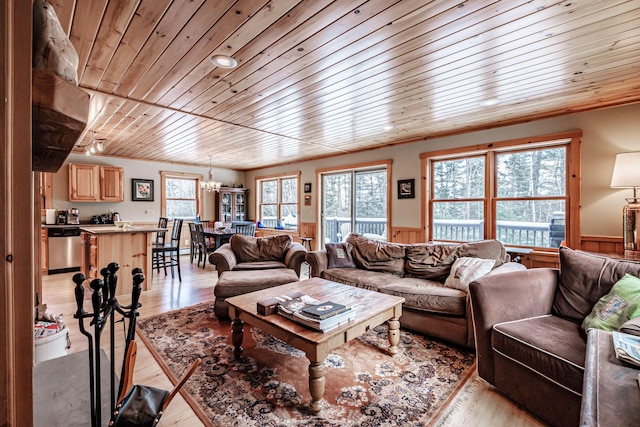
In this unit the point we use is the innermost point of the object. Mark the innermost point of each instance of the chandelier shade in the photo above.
(211, 184)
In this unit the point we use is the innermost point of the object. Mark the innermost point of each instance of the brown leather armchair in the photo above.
(248, 264)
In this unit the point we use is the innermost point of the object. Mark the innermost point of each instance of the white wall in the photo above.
(130, 210)
(605, 133)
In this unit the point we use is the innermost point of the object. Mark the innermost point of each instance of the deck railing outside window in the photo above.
(517, 233)
(540, 234)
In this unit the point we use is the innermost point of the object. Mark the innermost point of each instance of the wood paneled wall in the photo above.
(602, 244)
(406, 235)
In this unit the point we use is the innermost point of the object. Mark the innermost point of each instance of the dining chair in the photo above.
(168, 255)
(194, 247)
(246, 229)
(205, 246)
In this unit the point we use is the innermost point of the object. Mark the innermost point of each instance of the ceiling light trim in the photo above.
(224, 61)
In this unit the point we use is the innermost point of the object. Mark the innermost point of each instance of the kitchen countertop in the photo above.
(112, 229)
(75, 225)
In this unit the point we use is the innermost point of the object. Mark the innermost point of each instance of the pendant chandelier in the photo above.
(210, 185)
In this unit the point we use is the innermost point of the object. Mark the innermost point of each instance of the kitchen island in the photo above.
(130, 247)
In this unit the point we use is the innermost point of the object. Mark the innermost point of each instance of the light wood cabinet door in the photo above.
(111, 184)
(84, 183)
(44, 251)
(94, 183)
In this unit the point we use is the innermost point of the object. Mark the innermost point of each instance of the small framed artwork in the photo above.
(142, 190)
(307, 187)
(406, 189)
(307, 200)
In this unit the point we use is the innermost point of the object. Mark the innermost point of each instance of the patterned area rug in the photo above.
(268, 386)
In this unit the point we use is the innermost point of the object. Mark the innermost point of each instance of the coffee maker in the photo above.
(74, 216)
(62, 217)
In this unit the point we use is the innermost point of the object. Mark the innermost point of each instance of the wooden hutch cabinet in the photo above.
(231, 204)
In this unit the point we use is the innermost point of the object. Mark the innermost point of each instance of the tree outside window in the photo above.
(181, 196)
(518, 196)
(278, 203)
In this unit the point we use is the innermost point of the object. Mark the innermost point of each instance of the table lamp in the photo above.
(626, 174)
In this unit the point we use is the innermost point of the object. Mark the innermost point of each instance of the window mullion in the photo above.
(491, 190)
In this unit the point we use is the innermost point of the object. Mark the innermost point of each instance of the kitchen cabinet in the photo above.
(111, 184)
(44, 251)
(95, 183)
(231, 204)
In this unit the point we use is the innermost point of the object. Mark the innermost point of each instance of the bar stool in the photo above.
(306, 242)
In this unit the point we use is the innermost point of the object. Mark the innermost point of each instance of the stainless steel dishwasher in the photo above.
(64, 249)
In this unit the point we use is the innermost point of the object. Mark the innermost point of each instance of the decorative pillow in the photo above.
(584, 279)
(465, 270)
(433, 261)
(245, 248)
(615, 308)
(339, 255)
(273, 248)
(430, 261)
(374, 255)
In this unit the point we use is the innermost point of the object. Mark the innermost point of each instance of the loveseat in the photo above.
(530, 343)
(418, 272)
(248, 264)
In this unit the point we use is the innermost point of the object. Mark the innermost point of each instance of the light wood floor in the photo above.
(485, 407)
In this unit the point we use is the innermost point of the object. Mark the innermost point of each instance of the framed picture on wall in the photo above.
(142, 190)
(307, 200)
(406, 189)
(307, 187)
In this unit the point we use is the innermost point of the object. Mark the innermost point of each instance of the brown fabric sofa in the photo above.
(416, 272)
(248, 264)
(529, 340)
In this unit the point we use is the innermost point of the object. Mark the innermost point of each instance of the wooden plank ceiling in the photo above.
(317, 78)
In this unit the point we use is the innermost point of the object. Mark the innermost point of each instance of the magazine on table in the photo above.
(294, 305)
(627, 347)
(298, 309)
(324, 310)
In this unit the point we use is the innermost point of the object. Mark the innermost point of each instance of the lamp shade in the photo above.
(626, 171)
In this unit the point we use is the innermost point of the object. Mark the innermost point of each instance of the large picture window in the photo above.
(517, 192)
(278, 201)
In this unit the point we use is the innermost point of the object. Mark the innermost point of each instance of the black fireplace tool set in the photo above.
(133, 405)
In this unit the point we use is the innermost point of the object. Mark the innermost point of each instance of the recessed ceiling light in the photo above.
(490, 102)
(388, 127)
(224, 61)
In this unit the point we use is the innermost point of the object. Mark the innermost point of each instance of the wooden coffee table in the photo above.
(372, 309)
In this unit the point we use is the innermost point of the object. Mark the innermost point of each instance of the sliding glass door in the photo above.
(355, 201)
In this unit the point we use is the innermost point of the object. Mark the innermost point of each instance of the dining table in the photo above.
(219, 236)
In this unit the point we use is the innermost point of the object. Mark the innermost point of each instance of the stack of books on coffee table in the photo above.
(317, 315)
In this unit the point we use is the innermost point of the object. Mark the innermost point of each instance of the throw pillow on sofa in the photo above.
(339, 255)
(433, 261)
(273, 248)
(245, 248)
(465, 270)
(622, 303)
(584, 279)
(374, 255)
